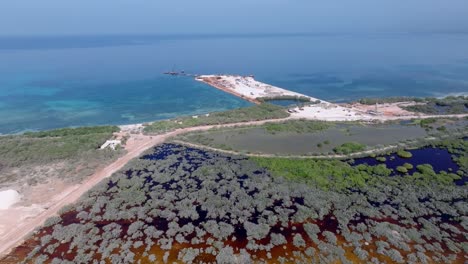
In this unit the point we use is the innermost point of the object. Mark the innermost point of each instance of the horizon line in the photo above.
(229, 34)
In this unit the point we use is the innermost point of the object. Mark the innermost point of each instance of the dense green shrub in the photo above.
(253, 113)
(326, 174)
(373, 101)
(79, 131)
(426, 122)
(448, 105)
(408, 166)
(404, 154)
(297, 126)
(381, 159)
(48, 146)
(349, 147)
(69, 153)
(402, 169)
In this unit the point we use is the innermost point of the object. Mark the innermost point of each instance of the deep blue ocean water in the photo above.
(51, 82)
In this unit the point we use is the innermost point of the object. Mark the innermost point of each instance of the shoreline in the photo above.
(246, 88)
(251, 90)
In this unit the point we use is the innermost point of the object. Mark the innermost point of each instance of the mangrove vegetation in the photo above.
(183, 205)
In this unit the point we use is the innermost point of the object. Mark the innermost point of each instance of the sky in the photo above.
(81, 17)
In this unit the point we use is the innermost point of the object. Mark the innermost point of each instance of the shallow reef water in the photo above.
(185, 205)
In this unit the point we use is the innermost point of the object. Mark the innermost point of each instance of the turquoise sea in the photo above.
(60, 81)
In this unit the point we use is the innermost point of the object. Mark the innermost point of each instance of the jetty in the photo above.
(247, 88)
(252, 90)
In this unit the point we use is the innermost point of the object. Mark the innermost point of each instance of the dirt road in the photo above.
(17, 234)
(136, 145)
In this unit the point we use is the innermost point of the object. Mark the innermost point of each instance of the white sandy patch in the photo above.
(133, 128)
(8, 198)
(328, 112)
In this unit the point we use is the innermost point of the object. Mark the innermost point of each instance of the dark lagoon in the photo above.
(439, 159)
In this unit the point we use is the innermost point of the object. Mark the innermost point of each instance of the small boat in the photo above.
(171, 73)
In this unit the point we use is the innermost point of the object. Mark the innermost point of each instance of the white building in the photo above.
(111, 144)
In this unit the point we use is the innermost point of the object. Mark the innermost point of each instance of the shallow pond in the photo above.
(258, 140)
(285, 102)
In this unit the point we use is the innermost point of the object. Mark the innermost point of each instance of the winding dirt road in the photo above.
(136, 145)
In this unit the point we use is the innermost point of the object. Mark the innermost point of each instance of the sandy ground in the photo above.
(387, 109)
(334, 112)
(18, 221)
(328, 112)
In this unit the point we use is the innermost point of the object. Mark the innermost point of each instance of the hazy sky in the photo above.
(22, 17)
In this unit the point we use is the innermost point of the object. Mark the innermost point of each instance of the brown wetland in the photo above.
(185, 205)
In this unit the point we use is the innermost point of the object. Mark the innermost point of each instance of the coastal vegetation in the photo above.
(427, 122)
(404, 154)
(324, 174)
(297, 126)
(429, 105)
(349, 147)
(402, 169)
(296, 98)
(381, 159)
(56, 153)
(447, 105)
(79, 131)
(393, 99)
(253, 113)
(184, 205)
(408, 166)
